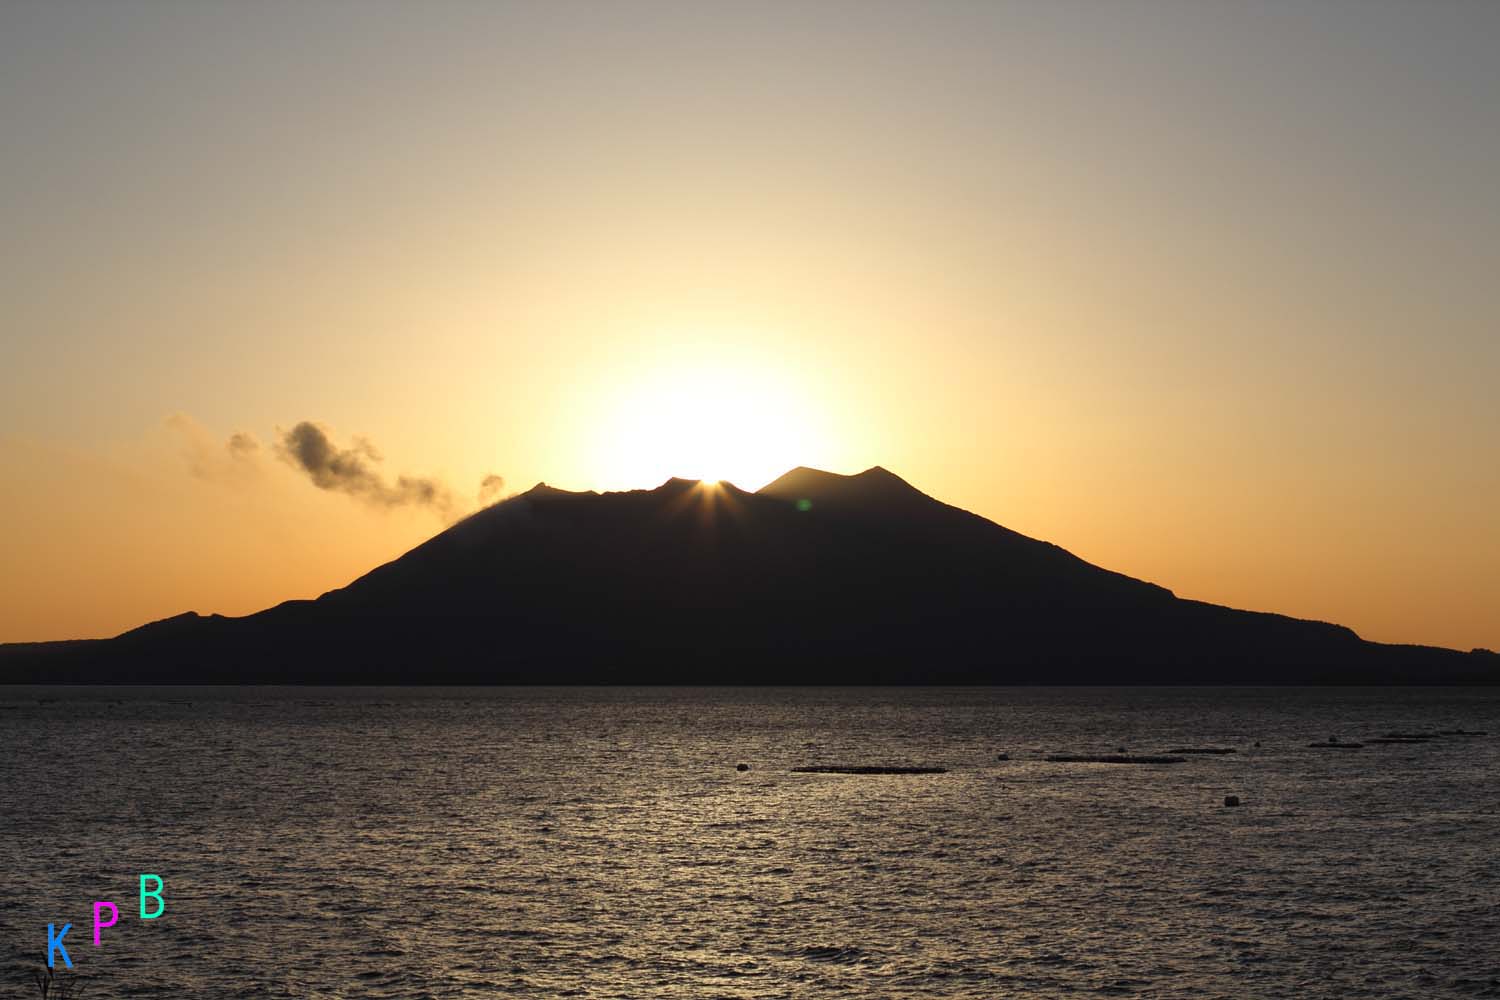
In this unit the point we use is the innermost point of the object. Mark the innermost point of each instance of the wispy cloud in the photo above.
(490, 488)
(308, 448)
(207, 458)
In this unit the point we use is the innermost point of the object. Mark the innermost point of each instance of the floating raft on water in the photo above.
(1215, 751)
(866, 769)
(1337, 746)
(1408, 740)
(1463, 732)
(1411, 737)
(1112, 758)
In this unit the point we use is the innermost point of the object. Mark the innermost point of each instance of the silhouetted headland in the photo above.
(1112, 758)
(866, 769)
(815, 579)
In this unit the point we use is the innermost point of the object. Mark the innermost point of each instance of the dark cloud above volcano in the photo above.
(310, 449)
(354, 471)
(490, 488)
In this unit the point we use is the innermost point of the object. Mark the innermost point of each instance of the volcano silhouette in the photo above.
(817, 578)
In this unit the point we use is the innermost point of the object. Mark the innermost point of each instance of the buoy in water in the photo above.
(1231, 800)
(742, 767)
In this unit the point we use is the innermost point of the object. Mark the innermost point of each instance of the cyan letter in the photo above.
(153, 894)
(54, 945)
(114, 917)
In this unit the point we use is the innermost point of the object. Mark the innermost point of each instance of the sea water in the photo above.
(514, 842)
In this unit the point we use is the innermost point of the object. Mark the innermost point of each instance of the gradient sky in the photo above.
(1205, 292)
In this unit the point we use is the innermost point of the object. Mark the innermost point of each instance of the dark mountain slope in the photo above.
(815, 578)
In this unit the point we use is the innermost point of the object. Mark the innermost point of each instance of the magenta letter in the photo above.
(114, 917)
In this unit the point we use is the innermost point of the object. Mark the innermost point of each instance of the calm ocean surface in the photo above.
(600, 843)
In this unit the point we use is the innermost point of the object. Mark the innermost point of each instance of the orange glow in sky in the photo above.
(1203, 293)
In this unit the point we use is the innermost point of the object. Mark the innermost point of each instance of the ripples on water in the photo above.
(600, 843)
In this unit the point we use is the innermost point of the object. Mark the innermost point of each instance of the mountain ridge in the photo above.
(815, 578)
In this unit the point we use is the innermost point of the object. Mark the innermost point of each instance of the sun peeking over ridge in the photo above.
(715, 422)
